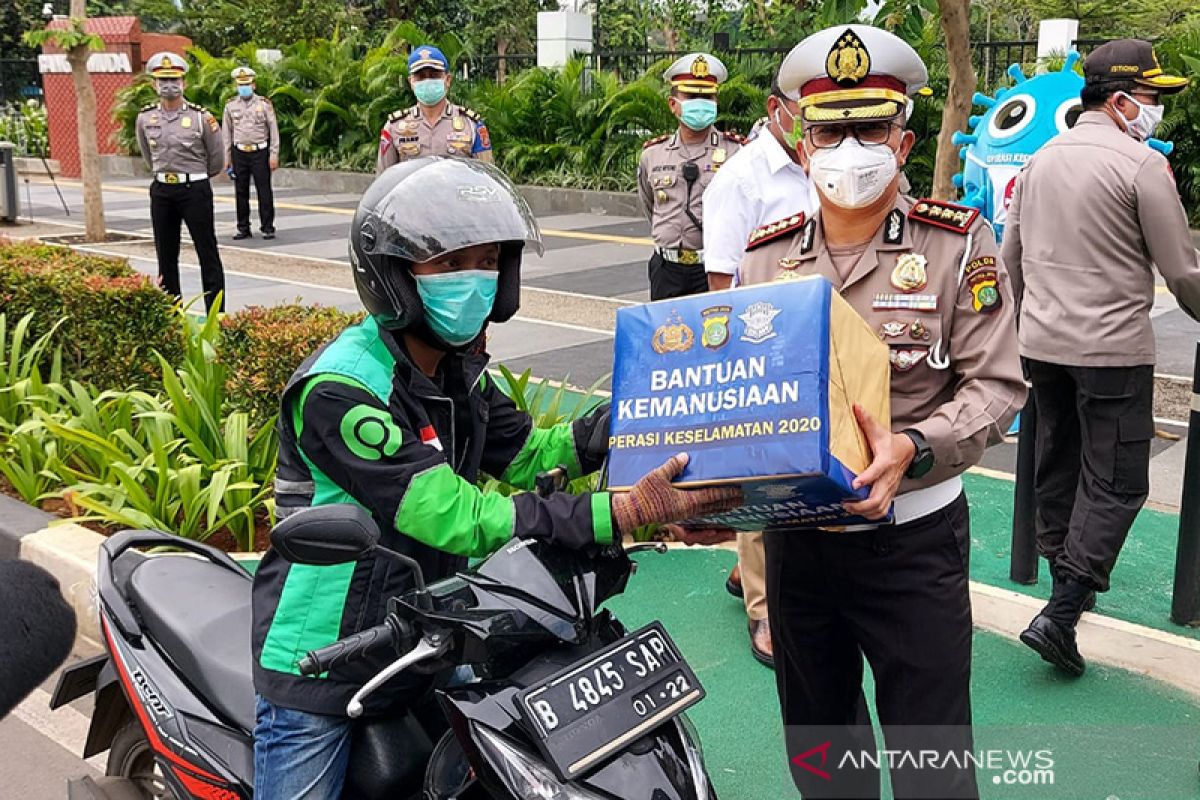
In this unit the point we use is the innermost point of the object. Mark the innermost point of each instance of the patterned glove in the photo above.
(654, 499)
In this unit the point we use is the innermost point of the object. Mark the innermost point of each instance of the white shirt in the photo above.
(758, 184)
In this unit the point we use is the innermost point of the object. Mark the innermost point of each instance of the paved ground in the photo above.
(592, 265)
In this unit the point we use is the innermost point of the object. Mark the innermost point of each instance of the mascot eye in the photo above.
(1013, 116)
(1067, 114)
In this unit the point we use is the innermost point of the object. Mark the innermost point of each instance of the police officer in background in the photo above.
(251, 137)
(434, 126)
(926, 276)
(674, 171)
(181, 143)
(1085, 292)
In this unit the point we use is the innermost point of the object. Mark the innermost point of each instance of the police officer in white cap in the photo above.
(251, 136)
(181, 143)
(926, 276)
(674, 171)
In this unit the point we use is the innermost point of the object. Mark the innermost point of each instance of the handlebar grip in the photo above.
(345, 651)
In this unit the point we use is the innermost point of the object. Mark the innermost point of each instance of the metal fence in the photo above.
(19, 79)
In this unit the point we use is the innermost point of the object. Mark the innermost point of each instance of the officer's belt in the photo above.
(682, 256)
(250, 148)
(919, 503)
(180, 177)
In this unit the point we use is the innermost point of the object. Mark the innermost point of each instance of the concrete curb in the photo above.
(542, 199)
(35, 166)
(69, 553)
(18, 520)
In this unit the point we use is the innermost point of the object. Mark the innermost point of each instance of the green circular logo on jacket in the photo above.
(369, 433)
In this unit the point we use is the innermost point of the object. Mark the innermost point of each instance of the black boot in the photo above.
(1052, 632)
(1056, 577)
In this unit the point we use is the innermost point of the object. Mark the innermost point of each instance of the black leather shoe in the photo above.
(241, 235)
(268, 234)
(1055, 643)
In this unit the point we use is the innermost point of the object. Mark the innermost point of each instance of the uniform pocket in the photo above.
(1131, 465)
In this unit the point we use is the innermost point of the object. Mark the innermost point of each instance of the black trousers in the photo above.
(669, 279)
(191, 203)
(1094, 426)
(897, 596)
(255, 165)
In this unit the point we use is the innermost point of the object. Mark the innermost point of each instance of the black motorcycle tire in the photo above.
(130, 757)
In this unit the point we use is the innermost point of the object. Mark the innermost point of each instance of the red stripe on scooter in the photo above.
(147, 726)
(203, 789)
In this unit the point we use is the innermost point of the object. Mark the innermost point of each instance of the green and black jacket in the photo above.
(359, 423)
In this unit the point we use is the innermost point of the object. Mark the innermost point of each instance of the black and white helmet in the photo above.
(421, 209)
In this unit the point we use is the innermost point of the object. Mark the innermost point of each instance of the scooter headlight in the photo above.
(524, 775)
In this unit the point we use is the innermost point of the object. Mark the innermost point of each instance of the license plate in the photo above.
(593, 708)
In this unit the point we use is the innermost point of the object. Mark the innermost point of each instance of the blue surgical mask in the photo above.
(457, 304)
(430, 92)
(698, 114)
(245, 91)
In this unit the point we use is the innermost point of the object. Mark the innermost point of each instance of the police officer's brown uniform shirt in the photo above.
(184, 141)
(940, 298)
(664, 192)
(407, 134)
(250, 122)
(1092, 211)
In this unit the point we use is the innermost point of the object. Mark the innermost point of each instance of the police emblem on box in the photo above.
(758, 317)
(767, 407)
(716, 327)
(673, 337)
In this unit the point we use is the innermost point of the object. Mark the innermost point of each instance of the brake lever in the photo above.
(657, 547)
(431, 646)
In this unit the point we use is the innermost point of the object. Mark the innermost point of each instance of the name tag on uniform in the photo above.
(888, 301)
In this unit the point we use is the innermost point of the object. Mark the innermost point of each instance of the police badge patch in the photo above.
(673, 337)
(985, 290)
(715, 334)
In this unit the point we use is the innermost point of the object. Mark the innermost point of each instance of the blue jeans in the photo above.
(297, 755)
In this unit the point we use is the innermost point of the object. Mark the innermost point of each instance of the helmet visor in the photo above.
(445, 206)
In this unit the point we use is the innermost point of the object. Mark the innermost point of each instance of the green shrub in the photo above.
(112, 317)
(262, 347)
(25, 125)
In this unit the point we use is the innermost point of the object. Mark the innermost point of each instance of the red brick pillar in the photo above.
(122, 60)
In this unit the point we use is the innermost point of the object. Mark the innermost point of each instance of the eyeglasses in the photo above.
(828, 136)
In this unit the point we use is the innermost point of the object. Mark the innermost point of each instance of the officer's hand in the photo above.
(699, 536)
(891, 455)
(274, 162)
(654, 499)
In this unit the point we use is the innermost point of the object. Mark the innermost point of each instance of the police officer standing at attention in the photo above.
(1085, 292)
(181, 143)
(675, 170)
(434, 126)
(926, 276)
(251, 137)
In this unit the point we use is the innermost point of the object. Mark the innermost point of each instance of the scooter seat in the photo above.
(199, 615)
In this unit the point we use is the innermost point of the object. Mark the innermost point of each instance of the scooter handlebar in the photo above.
(352, 648)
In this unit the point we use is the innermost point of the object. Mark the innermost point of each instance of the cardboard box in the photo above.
(757, 385)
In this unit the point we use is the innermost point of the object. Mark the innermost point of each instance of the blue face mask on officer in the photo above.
(697, 113)
(457, 304)
(430, 91)
(245, 91)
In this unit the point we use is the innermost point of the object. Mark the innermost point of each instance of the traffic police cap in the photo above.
(427, 56)
(852, 72)
(1129, 60)
(696, 73)
(167, 65)
(243, 76)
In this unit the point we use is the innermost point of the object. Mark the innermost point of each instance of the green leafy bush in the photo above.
(262, 347)
(25, 125)
(113, 318)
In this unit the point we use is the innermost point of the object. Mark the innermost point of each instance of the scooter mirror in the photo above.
(326, 535)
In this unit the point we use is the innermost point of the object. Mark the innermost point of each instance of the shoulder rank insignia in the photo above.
(734, 137)
(150, 106)
(655, 140)
(766, 233)
(398, 114)
(471, 114)
(950, 216)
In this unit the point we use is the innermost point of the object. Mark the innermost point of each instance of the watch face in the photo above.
(921, 464)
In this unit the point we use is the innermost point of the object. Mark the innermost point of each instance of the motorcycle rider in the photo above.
(398, 415)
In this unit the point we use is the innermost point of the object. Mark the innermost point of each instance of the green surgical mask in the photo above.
(430, 92)
(796, 135)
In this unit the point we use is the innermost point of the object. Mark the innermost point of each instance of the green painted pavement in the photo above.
(1141, 582)
(1111, 734)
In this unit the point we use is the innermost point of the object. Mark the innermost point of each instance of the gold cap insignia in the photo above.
(848, 61)
(166, 62)
(700, 67)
